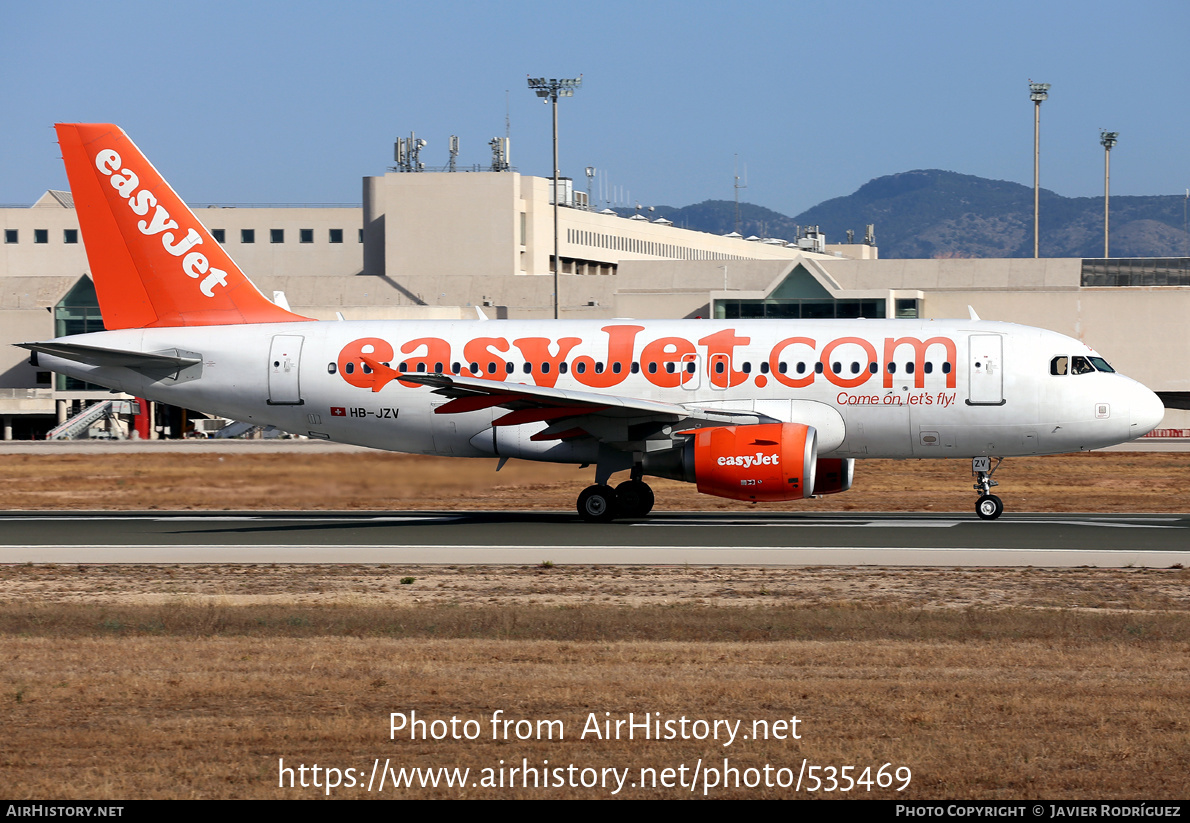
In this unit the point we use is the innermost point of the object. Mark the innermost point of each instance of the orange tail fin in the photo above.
(153, 263)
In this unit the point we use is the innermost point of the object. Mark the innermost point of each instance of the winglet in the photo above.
(153, 262)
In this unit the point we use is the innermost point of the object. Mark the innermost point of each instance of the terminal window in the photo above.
(41, 235)
(247, 235)
(336, 235)
(276, 235)
(219, 235)
(306, 235)
(10, 235)
(70, 236)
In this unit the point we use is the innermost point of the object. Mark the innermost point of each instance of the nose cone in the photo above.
(1145, 412)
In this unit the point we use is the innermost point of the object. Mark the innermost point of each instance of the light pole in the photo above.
(550, 90)
(1108, 139)
(1037, 93)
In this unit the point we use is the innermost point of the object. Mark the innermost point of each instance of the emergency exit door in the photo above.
(985, 370)
(285, 355)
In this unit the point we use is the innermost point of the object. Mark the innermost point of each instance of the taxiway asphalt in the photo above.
(667, 538)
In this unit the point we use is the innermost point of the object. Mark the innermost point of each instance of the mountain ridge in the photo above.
(925, 213)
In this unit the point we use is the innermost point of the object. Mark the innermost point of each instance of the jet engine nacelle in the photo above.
(833, 475)
(764, 462)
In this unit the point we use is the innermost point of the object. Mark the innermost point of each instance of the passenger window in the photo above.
(929, 368)
(909, 367)
(946, 367)
(690, 367)
(580, 368)
(669, 367)
(562, 367)
(545, 368)
(1059, 365)
(330, 368)
(1080, 365)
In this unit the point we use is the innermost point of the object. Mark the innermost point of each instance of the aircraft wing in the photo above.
(612, 419)
(97, 356)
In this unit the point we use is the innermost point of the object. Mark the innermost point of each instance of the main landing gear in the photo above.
(601, 503)
(988, 506)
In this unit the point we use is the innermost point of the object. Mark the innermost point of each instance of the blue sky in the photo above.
(294, 102)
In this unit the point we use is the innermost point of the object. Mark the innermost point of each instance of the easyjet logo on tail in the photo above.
(126, 182)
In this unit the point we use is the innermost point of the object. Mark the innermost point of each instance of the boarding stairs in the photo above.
(79, 426)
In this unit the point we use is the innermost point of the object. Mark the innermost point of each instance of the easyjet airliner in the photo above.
(753, 410)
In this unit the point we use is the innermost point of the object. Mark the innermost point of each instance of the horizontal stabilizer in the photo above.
(96, 356)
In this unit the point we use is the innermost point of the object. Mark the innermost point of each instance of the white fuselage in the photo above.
(955, 388)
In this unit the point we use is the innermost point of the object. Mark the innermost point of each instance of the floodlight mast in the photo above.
(1037, 93)
(550, 90)
(1108, 140)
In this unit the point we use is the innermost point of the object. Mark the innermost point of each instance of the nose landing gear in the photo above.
(988, 506)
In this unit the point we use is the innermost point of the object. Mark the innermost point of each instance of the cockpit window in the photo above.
(1059, 365)
(1101, 364)
(1080, 365)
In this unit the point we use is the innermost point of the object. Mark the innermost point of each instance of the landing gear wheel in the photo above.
(635, 498)
(597, 504)
(989, 507)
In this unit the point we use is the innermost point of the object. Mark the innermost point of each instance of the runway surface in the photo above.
(696, 538)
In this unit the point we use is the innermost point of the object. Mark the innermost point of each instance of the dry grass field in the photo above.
(127, 682)
(230, 480)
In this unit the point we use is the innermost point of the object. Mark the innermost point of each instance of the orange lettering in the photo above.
(620, 343)
(537, 351)
(839, 379)
(352, 367)
(919, 359)
(661, 352)
(437, 354)
(490, 366)
(775, 362)
(719, 344)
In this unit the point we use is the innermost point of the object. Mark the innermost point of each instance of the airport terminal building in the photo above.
(440, 244)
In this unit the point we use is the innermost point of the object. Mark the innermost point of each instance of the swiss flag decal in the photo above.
(338, 411)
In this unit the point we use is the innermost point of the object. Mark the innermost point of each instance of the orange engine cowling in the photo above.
(763, 462)
(833, 475)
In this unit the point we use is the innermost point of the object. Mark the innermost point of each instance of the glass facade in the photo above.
(795, 309)
(1136, 271)
(77, 313)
